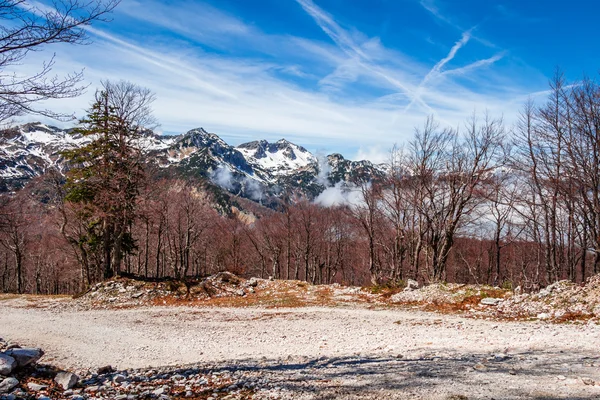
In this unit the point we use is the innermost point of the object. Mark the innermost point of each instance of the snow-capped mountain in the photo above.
(254, 170)
(279, 158)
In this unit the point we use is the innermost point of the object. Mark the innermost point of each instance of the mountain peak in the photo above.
(28, 150)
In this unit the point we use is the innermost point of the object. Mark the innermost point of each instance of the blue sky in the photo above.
(349, 76)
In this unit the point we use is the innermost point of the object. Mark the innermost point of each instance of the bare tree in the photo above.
(450, 169)
(25, 28)
(14, 238)
(369, 216)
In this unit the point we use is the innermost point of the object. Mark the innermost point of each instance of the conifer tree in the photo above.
(103, 183)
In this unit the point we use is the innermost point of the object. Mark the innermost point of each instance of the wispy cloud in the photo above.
(474, 65)
(439, 65)
(432, 7)
(355, 51)
(342, 92)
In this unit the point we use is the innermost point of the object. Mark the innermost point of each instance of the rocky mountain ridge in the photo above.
(255, 170)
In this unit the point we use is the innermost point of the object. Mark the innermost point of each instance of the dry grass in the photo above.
(277, 294)
(228, 290)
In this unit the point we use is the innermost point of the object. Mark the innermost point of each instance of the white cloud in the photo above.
(377, 154)
(340, 195)
(243, 97)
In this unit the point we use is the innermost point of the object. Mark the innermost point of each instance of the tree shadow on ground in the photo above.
(531, 375)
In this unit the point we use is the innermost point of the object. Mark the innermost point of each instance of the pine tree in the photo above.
(103, 182)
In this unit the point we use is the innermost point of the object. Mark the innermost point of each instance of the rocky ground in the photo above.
(560, 302)
(261, 339)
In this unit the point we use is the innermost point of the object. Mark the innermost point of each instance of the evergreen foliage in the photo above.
(103, 183)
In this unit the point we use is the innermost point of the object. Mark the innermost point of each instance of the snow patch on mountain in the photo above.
(256, 170)
(279, 158)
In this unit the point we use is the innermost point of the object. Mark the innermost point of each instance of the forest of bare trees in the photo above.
(484, 203)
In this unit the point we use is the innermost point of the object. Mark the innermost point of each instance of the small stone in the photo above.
(411, 284)
(159, 391)
(8, 384)
(66, 380)
(36, 387)
(543, 316)
(480, 367)
(119, 378)
(25, 356)
(92, 389)
(490, 301)
(7, 364)
(588, 381)
(107, 369)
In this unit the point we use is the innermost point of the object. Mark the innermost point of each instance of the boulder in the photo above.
(66, 380)
(25, 356)
(7, 364)
(8, 384)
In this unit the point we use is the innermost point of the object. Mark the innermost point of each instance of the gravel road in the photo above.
(324, 353)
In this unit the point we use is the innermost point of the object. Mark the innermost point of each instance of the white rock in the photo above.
(7, 364)
(36, 387)
(490, 301)
(66, 379)
(8, 384)
(411, 284)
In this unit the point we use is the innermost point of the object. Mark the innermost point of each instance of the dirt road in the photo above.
(325, 352)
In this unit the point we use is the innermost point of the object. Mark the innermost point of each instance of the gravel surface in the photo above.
(322, 353)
